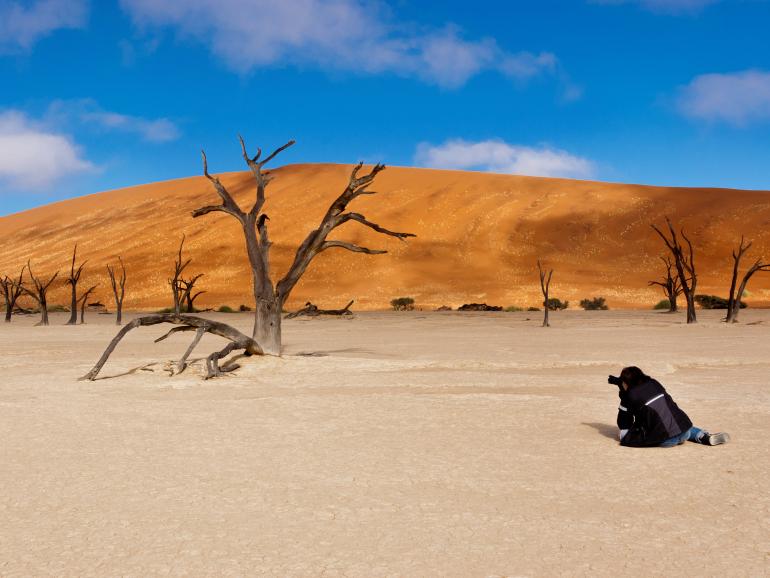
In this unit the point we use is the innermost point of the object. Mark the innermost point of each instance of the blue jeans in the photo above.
(692, 434)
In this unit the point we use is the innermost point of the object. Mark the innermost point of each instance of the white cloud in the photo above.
(24, 23)
(339, 34)
(88, 112)
(665, 6)
(737, 98)
(32, 157)
(497, 156)
(159, 130)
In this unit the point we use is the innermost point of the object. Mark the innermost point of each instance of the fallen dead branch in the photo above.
(238, 341)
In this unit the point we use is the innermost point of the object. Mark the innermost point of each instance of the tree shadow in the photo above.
(608, 431)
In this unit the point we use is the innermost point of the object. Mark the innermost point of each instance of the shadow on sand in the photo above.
(608, 431)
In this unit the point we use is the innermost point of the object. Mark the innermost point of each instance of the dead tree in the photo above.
(238, 341)
(545, 286)
(82, 300)
(685, 266)
(670, 284)
(118, 289)
(734, 300)
(187, 297)
(176, 288)
(311, 310)
(12, 289)
(39, 293)
(73, 283)
(269, 298)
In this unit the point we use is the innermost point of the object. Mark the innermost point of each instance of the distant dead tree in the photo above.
(187, 297)
(269, 298)
(670, 284)
(82, 302)
(118, 289)
(39, 293)
(12, 289)
(734, 300)
(72, 281)
(311, 310)
(685, 265)
(545, 286)
(174, 282)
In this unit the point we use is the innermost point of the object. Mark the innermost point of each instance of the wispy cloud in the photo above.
(737, 98)
(88, 112)
(665, 6)
(356, 35)
(33, 157)
(497, 156)
(22, 24)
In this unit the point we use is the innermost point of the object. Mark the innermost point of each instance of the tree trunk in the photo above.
(73, 305)
(44, 311)
(120, 314)
(735, 306)
(8, 313)
(691, 307)
(267, 326)
(673, 307)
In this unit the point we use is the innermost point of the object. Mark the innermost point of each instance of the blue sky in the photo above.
(98, 95)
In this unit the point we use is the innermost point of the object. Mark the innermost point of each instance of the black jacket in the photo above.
(650, 415)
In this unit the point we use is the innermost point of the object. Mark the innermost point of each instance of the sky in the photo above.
(101, 94)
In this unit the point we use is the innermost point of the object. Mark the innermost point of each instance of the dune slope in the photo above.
(478, 238)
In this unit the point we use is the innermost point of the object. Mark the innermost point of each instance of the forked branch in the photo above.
(238, 341)
(545, 286)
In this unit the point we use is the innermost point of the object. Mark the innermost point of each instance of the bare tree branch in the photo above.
(350, 247)
(12, 290)
(72, 281)
(238, 340)
(40, 293)
(685, 264)
(82, 300)
(545, 285)
(734, 299)
(119, 295)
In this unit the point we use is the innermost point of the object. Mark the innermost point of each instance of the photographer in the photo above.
(648, 416)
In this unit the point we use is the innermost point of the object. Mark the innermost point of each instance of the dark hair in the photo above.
(633, 376)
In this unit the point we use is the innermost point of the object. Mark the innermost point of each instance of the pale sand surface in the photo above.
(416, 444)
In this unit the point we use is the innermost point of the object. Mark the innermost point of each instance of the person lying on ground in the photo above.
(648, 416)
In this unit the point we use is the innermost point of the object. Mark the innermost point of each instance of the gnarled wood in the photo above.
(118, 289)
(72, 281)
(187, 297)
(734, 299)
(545, 286)
(670, 285)
(174, 282)
(40, 293)
(269, 298)
(82, 301)
(238, 340)
(12, 289)
(311, 310)
(685, 265)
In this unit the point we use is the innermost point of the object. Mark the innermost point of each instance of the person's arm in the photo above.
(625, 419)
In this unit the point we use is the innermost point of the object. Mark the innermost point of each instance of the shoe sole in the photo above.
(718, 439)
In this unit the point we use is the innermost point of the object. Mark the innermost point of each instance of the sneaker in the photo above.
(715, 439)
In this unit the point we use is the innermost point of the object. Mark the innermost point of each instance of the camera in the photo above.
(615, 380)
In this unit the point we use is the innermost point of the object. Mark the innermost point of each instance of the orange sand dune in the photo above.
(478, 238)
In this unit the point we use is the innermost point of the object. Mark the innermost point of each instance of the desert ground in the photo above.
(389, 444)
